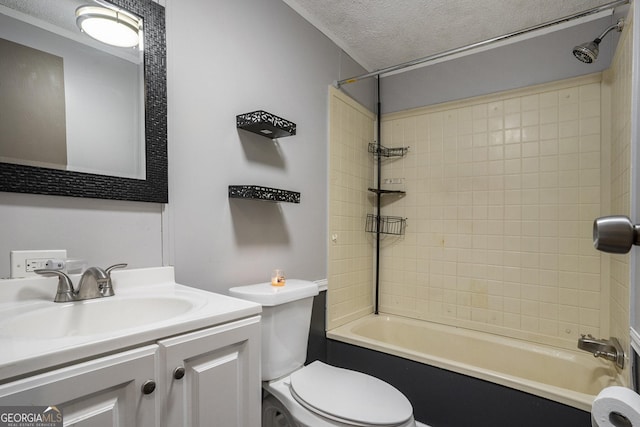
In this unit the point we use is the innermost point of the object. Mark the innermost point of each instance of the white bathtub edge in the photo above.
(568, 397)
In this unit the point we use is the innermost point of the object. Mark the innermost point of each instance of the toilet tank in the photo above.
(286, 317)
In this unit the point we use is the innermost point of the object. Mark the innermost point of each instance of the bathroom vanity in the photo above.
(156, 353)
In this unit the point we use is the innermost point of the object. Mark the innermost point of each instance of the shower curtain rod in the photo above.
(454, 51)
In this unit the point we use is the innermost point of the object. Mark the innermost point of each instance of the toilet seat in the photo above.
(349, 397)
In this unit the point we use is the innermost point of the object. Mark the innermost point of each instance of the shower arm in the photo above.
(617, 26)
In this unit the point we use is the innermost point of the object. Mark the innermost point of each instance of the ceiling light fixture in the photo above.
(110, 26)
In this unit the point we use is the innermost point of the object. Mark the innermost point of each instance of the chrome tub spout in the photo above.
(608, 349)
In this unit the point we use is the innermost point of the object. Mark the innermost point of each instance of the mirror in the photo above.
(132, 164)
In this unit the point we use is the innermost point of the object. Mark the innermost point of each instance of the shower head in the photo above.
(588, 52)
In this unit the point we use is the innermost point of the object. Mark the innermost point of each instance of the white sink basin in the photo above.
(95, 316)
(37, 333)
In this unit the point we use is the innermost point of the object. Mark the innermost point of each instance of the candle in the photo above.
(277, 278)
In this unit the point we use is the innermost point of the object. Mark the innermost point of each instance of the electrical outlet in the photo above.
(32, 265)
(23, 263)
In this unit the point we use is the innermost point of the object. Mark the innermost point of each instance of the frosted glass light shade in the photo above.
(108, 25)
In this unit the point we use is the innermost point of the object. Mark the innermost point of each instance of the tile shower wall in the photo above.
(617, 85)
(350, 270)
(502, 191)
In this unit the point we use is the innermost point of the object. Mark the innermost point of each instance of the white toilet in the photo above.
(316, 395)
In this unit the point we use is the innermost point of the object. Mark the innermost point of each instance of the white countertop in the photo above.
(22, 355)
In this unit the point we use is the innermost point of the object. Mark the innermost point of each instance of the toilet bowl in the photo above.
(316, 395)
(320, 395)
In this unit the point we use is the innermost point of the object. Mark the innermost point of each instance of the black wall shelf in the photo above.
(265, 124)
(257, 192)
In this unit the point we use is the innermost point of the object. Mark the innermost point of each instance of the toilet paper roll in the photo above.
(616, 407)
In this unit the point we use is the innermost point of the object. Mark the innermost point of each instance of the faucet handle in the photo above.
(113, 267)
(106, 290)
(65, 291)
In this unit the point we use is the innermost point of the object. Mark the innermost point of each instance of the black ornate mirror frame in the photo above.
(29, 179)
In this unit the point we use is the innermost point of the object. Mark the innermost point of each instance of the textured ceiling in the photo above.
(383, 33)
(58, 13)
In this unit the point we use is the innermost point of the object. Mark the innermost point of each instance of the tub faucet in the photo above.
(94, 283)
(609, 349)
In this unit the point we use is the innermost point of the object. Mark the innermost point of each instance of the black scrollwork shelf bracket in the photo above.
(265, 124)
(256, 192)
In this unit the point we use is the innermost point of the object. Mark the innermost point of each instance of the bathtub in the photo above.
(572, 378)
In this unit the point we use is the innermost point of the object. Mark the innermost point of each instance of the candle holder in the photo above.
(277, 277)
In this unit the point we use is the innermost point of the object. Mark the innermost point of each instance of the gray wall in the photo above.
(232, 57)
(533, 61)
(103, 232)
(224, 58)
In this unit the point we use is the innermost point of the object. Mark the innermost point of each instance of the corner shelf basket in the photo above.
(381, 151)
(381, 192)
(381, 224)
(386, 224)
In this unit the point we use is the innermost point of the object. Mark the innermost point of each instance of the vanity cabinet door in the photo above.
(212, 376)
(104, 392)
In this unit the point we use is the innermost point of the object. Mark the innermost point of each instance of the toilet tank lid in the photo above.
(268, 295)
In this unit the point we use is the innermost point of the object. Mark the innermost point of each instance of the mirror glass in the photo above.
(87, 117)
(58, 87)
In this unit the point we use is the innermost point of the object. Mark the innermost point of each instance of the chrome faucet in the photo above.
(608, 349)
(94, 283)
